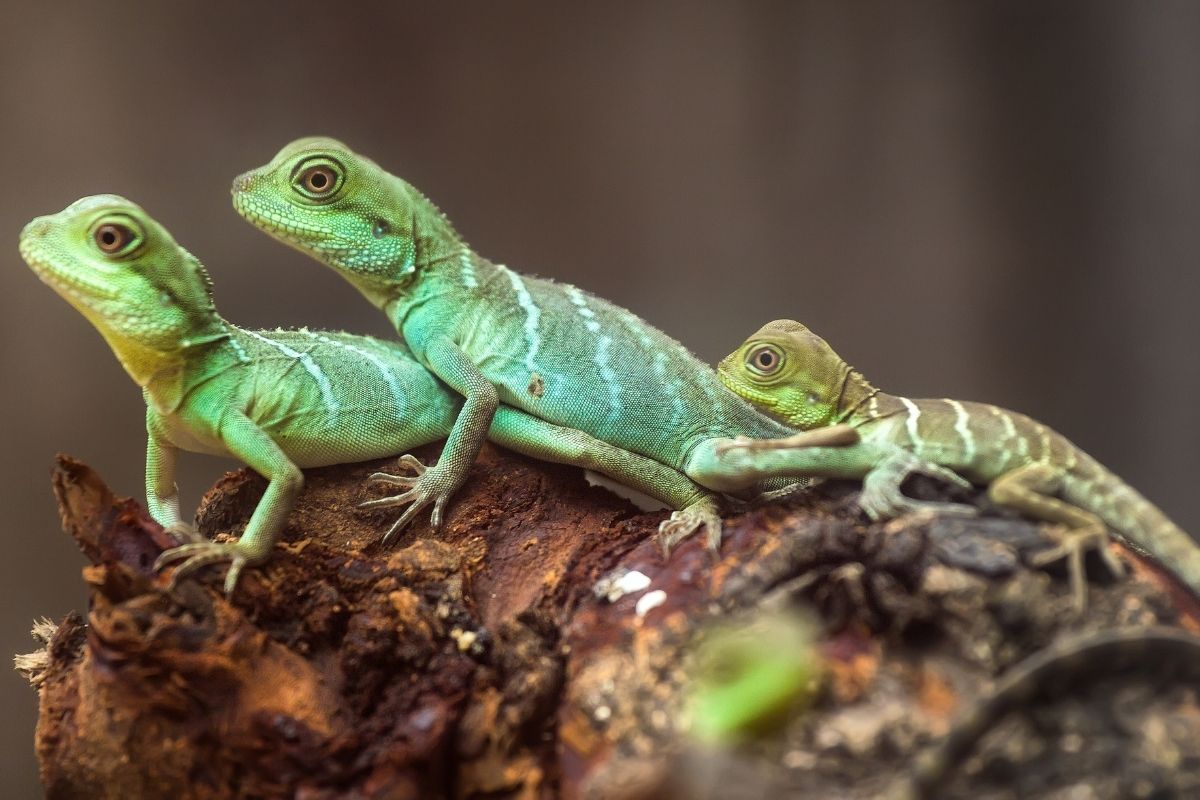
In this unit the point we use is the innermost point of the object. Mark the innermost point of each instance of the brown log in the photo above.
(480, 661)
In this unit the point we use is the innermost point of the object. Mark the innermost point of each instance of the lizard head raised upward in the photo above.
(344, 210)
(790, 372)
(117, 266)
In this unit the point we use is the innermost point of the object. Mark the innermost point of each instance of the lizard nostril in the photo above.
(38, 227)
(243, 182)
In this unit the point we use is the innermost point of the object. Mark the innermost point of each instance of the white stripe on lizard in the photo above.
(604, 342)
(914, 414)
(580, 302)
(961, 425)
(533, 316)
(310, 366)
(468, 269)
(381, 365)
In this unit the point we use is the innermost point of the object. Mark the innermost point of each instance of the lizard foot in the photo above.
(683, 523)
(184, 532)
(428, 485)
(881, 497)
(1073, 544)
(201, 554)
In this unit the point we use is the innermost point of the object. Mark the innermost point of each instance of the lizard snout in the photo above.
(243, 182)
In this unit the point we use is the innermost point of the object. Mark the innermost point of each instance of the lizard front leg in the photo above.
(162, 495)
(251, 444)
(438, 484)
(732, 464)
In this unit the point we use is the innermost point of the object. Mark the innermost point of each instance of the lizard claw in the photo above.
(184, 532)
(429, 485)
(686, 521)
(198, 555)
(1073, 544)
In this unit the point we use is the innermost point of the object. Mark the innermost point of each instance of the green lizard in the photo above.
(494, 335)
(796, 376)
(276, 400)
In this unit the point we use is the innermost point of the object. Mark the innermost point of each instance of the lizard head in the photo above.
(789, 372)
(341, 208)
(124, 272)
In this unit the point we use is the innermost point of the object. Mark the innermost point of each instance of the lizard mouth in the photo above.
(747, 393)
(280, 221)
(73, 283)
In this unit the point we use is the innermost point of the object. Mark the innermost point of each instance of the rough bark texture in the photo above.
(480, 662)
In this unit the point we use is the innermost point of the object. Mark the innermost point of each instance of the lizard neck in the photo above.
(436, 248)
(859, 401)
(199, 356)
(435, 241)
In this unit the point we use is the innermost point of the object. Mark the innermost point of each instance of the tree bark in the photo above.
(487, 660)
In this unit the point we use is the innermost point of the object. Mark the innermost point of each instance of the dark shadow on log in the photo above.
(482, 662)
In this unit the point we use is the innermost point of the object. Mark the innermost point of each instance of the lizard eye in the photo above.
(765, 359)
(318, 180)
(113, 238)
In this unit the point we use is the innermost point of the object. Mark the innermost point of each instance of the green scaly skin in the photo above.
(794, 375)
(497, 336)
(277, 400)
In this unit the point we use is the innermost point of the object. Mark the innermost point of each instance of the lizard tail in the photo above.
(1138, 522)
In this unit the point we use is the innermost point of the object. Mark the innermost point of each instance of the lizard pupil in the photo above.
(380, 229)
(319, 180)
(110, 238)
(765, 360)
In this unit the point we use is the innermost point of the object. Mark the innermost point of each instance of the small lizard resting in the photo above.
(276, 400)
(494, 335)
(1154, 654)
(793, 374)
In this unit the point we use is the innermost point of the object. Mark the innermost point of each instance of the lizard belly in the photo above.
(192, 438)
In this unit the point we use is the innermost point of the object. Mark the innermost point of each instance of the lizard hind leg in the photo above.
(1030, 490)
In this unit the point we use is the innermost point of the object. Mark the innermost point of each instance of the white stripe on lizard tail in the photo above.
(388, 378)
(533, 316)
(310, 366)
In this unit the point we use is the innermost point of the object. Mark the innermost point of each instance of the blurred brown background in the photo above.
(986, 200)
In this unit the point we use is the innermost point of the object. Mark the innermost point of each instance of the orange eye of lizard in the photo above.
(764, 360)
(112, 238)
(320, 180)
